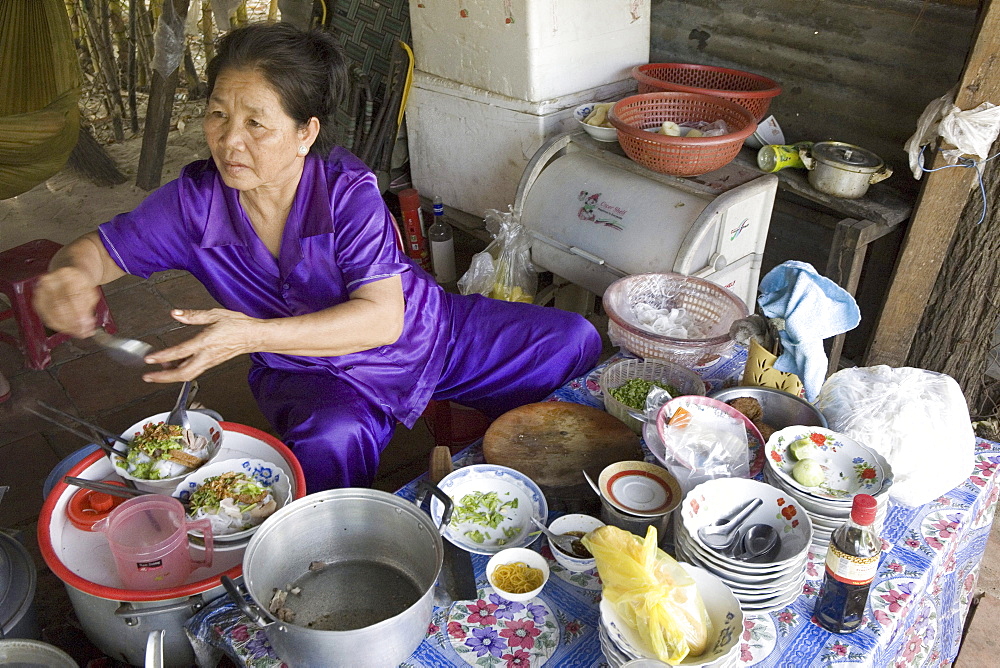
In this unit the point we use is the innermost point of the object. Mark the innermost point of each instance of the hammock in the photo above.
(39, 92)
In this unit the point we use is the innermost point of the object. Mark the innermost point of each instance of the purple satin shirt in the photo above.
(338, 237)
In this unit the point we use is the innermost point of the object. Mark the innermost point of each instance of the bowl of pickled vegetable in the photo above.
(625, 384)
(577, 525)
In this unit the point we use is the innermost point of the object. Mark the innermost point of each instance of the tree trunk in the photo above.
(207, 33)
(133, 36)
(955, 335)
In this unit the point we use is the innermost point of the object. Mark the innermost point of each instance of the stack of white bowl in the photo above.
(759, 586)
(622, 644)
(844, 462)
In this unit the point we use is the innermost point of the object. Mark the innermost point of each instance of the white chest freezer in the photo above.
(595, 216)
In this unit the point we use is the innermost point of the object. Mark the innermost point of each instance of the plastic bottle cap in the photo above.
(863, 509)
(409, 198)
(101, 502)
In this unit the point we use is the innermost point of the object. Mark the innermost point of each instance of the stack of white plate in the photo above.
(848, 467)
(622, 644)
(760, 586)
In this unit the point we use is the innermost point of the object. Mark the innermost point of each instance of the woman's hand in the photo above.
(227, 334)
(66, 299)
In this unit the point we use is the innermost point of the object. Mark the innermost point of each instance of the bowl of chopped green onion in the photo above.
(493, 507)
(626, 383)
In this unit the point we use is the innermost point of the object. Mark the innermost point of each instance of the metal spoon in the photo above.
(720, 534)
(130, 352)
(564, 543)
(593, 485)
(760, 542)
(178, 416)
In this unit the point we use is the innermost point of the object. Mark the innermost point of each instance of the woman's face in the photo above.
(253, 141)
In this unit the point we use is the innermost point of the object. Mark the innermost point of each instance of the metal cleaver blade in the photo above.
(457, 575)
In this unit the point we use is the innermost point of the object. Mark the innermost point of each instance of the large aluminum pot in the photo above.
(353, 554)
(18, 579)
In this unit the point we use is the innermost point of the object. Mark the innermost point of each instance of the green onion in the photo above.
(633, 392)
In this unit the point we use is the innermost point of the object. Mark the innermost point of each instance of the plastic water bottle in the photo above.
(442, 245)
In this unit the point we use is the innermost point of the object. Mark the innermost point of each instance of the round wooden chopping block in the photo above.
(553, 441)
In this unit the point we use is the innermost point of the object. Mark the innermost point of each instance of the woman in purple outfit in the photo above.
(347, 335)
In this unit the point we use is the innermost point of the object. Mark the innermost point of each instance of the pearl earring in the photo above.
(302, 149)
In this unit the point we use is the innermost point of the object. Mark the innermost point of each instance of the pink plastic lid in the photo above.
(864, 508)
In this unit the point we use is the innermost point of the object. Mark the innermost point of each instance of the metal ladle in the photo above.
(130, 352)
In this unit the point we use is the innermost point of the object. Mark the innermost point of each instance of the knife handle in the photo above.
(440, 464)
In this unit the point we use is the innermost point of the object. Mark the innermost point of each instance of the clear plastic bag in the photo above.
(917, 419)
(506, 263)
(971, 131)
(651, 592)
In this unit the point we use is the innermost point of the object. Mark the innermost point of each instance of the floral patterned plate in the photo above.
(848, 467)
(498, 504)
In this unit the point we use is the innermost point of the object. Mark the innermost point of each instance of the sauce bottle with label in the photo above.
(851, 564)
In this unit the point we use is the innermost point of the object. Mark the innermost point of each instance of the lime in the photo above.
(809, 473)
(803, 448)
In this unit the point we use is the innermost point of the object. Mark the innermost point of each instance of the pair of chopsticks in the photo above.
(107, 488)
(106, 435)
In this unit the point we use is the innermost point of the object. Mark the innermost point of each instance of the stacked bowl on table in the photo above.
(848, 468)
(622, 644)
(764, 583)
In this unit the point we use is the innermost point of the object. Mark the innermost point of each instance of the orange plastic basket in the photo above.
(752, 91)
(636, 115)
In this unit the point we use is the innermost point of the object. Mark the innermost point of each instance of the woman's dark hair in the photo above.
(307, 68)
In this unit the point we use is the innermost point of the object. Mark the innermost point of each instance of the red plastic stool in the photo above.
(20, 268)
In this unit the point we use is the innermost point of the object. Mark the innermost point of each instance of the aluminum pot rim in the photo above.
(726, 391)
(310, 501)
(18, 600)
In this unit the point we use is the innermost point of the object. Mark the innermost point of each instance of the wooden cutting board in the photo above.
(553, 441)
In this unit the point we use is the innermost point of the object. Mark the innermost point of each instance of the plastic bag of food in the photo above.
(514, 278)
(917, 419)
(651, 592)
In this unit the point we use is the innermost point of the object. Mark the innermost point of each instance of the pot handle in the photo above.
(154, 649)
(881, 175)
(129, 611)
(805, 154)
(426, 486)
(250, 610)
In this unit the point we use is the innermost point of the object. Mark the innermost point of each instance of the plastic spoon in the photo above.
(720, 534)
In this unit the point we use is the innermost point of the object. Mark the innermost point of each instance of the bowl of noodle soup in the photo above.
(517, 573)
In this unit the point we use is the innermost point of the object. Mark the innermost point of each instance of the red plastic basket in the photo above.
(752, 91)
(679, 156)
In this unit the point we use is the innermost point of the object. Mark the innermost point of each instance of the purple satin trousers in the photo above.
(500, 355)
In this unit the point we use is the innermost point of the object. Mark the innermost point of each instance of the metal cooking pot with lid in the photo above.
(18, 578)
(344, 577)
(843, 170)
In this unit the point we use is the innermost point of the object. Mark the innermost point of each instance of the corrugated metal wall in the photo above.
(851, 70)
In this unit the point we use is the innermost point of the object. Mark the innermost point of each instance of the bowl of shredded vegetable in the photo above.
(158, 456)
(517, 573)
(626, 383)
(493, 507)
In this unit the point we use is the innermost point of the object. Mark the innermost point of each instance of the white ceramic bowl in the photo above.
(516, 529)
(266, 473)
(512, 555)
(201, 424)
(715, 498)
(595, 131)
(573, 522)
(723, 610)
(639, 488)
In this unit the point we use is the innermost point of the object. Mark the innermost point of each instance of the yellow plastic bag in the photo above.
(651, 592)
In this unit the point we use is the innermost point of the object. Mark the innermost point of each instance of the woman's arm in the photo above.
(372, 317)
(66, 297)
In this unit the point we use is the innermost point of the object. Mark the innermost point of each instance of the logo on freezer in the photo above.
(736, 232)
(596, 211)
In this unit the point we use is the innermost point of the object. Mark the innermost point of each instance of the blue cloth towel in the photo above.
(814, 308)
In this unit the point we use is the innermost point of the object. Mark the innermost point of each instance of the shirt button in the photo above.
(285, 286)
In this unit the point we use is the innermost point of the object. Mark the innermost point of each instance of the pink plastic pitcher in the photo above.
(148, 537)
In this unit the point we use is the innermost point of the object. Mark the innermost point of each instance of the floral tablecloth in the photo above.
(915, 614)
